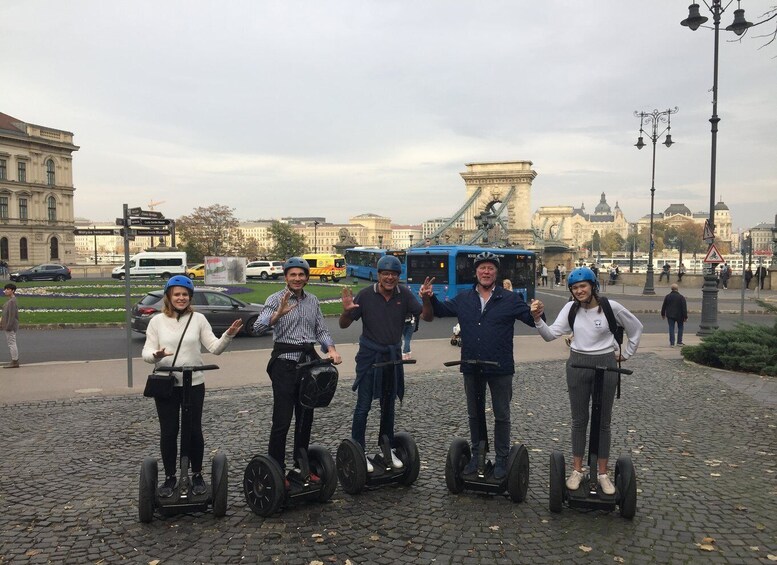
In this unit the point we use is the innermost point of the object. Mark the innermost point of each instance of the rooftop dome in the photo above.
(721, 206)
(602, 207)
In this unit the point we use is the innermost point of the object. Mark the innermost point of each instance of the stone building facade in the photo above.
(36, 194)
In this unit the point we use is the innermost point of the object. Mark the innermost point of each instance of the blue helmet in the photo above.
(180, 280)
(297, 262)
(389, 263)
(487, 257)
(582, 274)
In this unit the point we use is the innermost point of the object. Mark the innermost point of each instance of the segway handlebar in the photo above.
(471, 362)
(191, 368)
(394, 362)
(603, 368)
(315, 362)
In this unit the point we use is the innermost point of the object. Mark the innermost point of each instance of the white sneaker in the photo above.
(406, 356)
(370, 468)
(606, 484)
(395, 462)
(574, 480)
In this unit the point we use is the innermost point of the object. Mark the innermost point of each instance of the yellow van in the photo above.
(326, 266)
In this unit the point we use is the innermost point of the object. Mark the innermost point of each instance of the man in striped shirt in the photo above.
(298, 324)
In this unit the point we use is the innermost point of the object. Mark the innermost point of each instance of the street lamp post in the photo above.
(709, 301)
(315, 236)
(653, 120)
(411, 240)
(380, 242)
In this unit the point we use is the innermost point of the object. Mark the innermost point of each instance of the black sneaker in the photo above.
(472, 466)
(167, 489)
(198, 484)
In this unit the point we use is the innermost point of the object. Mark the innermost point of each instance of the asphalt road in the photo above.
(56, 345)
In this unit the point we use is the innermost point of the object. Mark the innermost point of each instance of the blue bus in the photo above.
(453, 268)
(362, 262)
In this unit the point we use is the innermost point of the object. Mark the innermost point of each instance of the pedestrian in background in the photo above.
(675, 310)
(10, 324)
(557, 275)
(760, 274)
(748, 276)
(681, 272)
(725, 274)
(664, 272)
(544, 275)
(411, 326)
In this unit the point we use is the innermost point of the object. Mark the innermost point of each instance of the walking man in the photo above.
(675, 309)
(10, 323)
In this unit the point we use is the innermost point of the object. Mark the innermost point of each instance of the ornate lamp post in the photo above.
(315, 236)
(653, 120)
(411, 240)
(709, 301)
(380, 242)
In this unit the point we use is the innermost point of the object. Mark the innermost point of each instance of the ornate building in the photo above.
(677, 214)
(573, 227)
(36, 193)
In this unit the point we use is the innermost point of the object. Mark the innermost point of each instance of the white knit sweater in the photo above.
(165, 332)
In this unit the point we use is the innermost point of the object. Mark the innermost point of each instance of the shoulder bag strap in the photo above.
(180, 341)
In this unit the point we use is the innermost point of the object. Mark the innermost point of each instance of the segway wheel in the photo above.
(453, 341)
(322, 464)
(459, 455)
(219, 480)
(147, 489)
(626, 484)
(407, 451)
(351, 466)
(557, 474)
(263, 485)
(518, 473)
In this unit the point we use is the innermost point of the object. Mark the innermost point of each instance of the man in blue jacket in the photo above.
(486, 314)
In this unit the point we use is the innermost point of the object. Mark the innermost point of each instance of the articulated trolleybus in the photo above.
(452, 267)
(362, 262)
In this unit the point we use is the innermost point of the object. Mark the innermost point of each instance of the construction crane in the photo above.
(151, 204)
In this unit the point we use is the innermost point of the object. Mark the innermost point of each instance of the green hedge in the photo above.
(751, 349)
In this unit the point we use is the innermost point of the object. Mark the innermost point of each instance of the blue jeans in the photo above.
(679, 323)
(407, 335)
(364, 403)
(501, 395)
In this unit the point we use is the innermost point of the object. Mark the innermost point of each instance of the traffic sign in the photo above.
(135, 211)
(95, 231)
(119, 221)
(152, 232)
(130, 234)
(150, 222)
(713, 255)
(709, 235)
(146, 213)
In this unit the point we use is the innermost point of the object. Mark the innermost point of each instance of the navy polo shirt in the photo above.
(383, 320)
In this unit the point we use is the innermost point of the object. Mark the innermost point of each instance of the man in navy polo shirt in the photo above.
(486, 314)
(382, 308)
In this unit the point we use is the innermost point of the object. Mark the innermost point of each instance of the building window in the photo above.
(23, 249)
(4, 207)
(54, 248)
(50, 172)
(52, 208)
(4, 248)
(22, 171)
(2, 169)
(23, 209)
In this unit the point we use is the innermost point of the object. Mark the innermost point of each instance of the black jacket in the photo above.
(674, 307)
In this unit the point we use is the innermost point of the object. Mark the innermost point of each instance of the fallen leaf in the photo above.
(741, 508)
(374, 538)
(755, 548)
(316, 536)
(585, 548)
(708, 540)
(760, 527)
(494, 528)
(714, 474)
(705, 547)
(618, 559)
(316, 563)
(331, 533)
(771, 557)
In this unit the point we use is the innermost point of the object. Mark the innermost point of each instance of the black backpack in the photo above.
(615, 327)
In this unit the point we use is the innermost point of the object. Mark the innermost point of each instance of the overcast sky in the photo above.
(337, 108)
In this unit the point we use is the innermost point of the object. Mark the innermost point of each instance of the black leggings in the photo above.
(168, 410)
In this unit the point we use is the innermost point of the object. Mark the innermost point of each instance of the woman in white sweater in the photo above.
(162, 337)
(592, 344)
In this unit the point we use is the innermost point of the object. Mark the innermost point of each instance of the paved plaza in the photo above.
(704, 452)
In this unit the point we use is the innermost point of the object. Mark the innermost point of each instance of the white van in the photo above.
(162, 264)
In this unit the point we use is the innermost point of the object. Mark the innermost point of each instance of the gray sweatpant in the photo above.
(580, 383)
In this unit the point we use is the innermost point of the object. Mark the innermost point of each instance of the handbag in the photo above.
(160, 385)
(317, 386)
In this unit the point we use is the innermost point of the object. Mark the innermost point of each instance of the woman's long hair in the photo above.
(170, 311)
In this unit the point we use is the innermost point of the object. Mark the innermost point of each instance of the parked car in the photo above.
(46, 272)
(264, 270)
(196, 272)
(219, 308)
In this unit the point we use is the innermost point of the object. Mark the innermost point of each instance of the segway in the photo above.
(588, 495)
(351, 462)
(516, 482)
(265, 487)
(183, 499)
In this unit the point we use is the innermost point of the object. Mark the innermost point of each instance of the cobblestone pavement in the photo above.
(704, 454)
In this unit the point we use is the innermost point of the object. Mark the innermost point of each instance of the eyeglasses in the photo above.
(388, 274)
